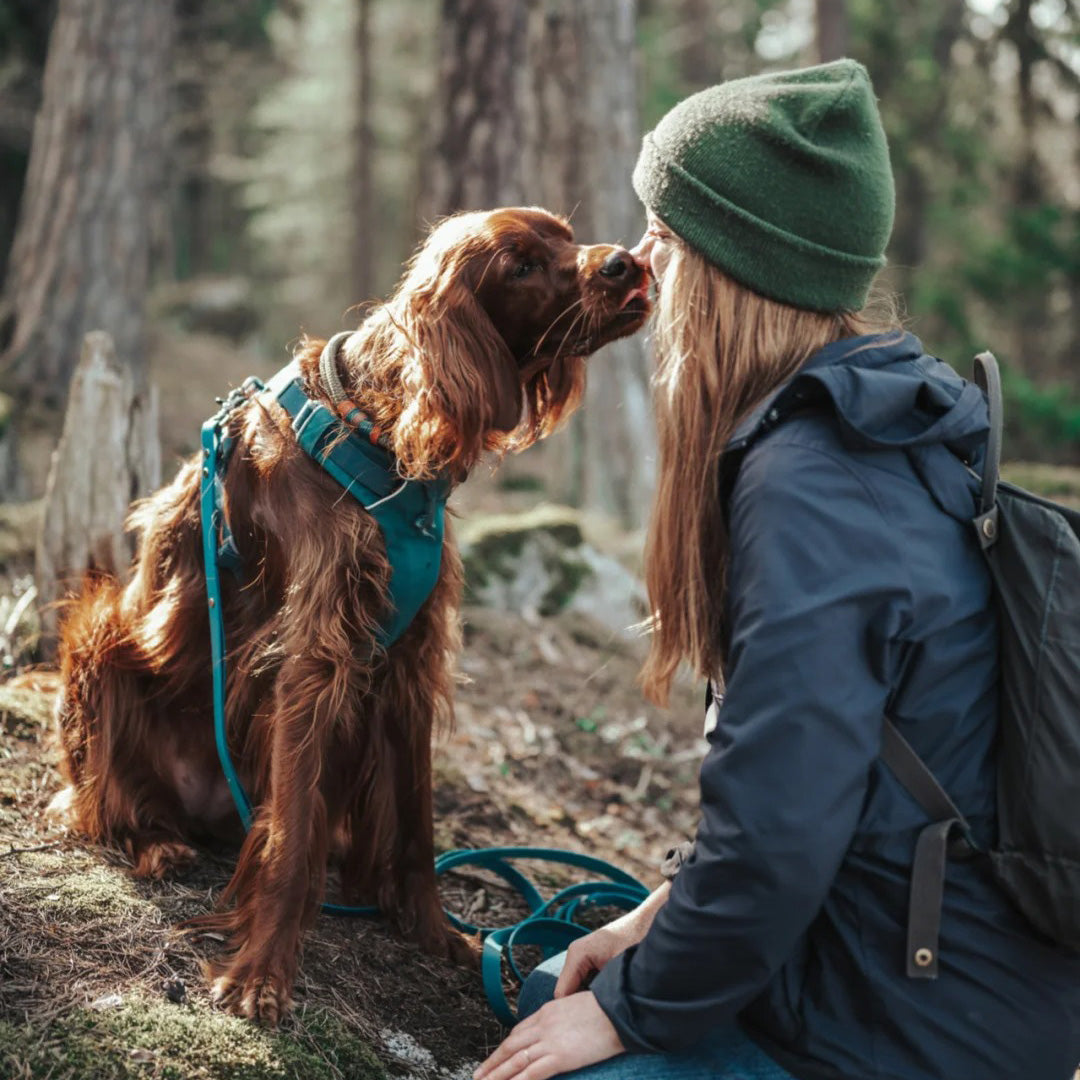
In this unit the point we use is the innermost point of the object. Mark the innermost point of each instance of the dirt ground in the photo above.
(553, 747)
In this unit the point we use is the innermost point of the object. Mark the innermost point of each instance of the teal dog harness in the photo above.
(410, 514)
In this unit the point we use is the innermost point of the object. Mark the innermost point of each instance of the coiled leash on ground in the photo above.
(413, 536)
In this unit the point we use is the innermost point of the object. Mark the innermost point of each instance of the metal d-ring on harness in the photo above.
(410, 516)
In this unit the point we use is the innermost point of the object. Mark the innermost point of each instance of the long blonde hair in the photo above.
(721, 349)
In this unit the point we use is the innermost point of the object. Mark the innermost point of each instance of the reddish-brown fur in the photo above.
(331, 736)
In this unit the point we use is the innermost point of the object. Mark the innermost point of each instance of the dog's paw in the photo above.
(161, 858)
(464, 950)
(60, 804)
(259, 996)
(449, 944)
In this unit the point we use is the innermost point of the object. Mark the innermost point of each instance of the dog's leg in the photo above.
(103, 719)
(417, 697)
(409, 895)
(281, 873)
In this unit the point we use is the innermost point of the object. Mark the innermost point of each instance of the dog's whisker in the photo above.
(562, 315)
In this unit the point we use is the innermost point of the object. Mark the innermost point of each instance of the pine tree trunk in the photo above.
(476, 163)
(91, 486)
(701, 58)
(91, 209)
(582, 141)
(832, 30)
(538, 106)
(363, 246)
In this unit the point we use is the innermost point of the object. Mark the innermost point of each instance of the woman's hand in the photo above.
(589, 954)
(566, 1034)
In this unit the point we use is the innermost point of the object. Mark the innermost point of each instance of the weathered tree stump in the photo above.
(109, 454)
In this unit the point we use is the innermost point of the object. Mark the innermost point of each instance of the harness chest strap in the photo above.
(410, 513)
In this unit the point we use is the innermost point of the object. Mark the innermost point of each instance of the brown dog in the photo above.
(480, 349)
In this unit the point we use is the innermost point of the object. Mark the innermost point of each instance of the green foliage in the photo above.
(1050, 413)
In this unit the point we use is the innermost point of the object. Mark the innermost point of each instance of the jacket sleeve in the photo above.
(817, 598)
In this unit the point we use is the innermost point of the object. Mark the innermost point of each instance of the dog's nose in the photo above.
(617, 265)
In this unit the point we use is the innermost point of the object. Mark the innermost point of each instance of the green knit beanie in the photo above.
(781, 180)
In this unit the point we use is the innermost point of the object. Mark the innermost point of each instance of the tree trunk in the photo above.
(916, 161)
(701, 59)
(538, 106)
(95, 183)
(582, 141)
(832, 30)
(363, 245)
(476, 162)
(108, 455)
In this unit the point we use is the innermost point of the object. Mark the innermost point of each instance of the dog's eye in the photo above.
(523, 269)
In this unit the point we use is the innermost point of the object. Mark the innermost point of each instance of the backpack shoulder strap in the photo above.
(988, 379)
(911, 771)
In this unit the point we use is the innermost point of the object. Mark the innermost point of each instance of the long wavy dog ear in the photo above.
(466, 391)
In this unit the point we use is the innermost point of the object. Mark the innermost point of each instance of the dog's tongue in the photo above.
(641, 292)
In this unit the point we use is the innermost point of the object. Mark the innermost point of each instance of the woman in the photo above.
(795, 550)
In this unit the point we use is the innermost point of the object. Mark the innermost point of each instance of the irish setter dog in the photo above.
(480, 350)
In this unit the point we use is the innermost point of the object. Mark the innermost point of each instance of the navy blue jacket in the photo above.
(851, 593)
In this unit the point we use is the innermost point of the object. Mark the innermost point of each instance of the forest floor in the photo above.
(553, 746)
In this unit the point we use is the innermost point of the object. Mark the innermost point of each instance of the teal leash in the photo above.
(550, 924)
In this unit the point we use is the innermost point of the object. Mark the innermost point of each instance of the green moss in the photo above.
(520, 482)
(492, 545)
(144, 1039)
(567, 574)
(92, 893)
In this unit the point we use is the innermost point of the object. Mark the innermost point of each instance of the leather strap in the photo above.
(919, 781)
(925, 899)
(949, 834)
(988, 379)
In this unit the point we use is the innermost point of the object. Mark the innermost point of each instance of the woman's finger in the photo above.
(520, 1037)
(574, 972)
(517, 1063)
(546, 1066)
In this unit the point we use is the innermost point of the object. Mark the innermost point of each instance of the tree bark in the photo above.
(363, 246)
(90, 488)
(476, 162)
(701, 61)
(582, 140)
(90, 215)
(832, 30)
(538, 106)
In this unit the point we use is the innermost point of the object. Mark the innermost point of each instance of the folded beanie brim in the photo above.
(772, 261)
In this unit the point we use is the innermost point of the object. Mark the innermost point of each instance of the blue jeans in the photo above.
(723, 1055)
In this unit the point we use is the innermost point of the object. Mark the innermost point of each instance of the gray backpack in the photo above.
(1032, 547)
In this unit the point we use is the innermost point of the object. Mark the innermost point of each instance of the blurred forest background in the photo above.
(205, 180)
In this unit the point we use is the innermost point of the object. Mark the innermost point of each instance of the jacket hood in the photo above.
(885, 392)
